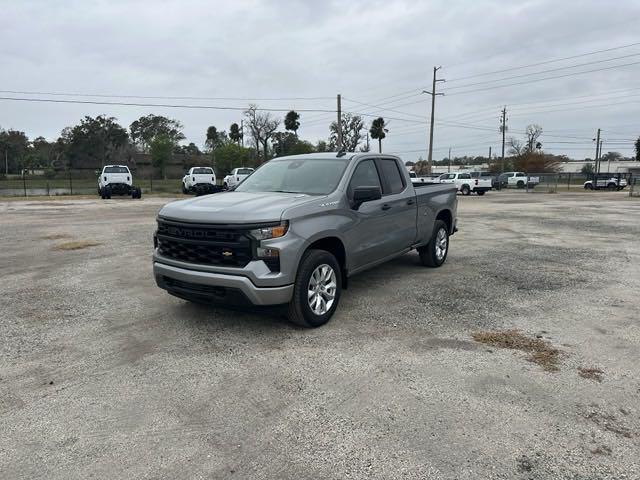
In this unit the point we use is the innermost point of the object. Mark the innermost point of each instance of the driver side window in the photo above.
(365, 175)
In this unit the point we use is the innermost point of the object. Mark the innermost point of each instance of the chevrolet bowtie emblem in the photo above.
(227, 254)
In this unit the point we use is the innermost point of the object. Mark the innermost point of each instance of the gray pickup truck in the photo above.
(295, 231)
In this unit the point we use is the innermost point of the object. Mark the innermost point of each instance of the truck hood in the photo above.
(234, 207)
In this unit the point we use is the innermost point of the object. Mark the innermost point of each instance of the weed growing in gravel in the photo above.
(541, 351)
(591, 373)
(76, 245)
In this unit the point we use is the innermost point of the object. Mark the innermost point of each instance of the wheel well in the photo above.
(446, 217)
(334, 246)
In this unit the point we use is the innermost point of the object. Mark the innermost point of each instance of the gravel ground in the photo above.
(104, 375)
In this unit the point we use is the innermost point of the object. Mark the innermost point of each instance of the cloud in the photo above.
(368, 51)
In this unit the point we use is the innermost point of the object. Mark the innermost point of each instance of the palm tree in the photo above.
(378, 130)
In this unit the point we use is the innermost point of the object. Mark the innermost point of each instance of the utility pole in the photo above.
(433, 106)
(597, 139)
(339, 122)
(489, 156)
(449, 158)
(242, 133)
(503, 129)
(600, 155)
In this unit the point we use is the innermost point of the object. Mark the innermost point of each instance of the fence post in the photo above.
(70, 184)
(48, 194)
(569, 182)
(151, 182)
(24, 184)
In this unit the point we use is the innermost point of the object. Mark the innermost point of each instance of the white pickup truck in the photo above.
(117, 180)
(235, 177)
(197, 177)
(518, 180)
(606, 182)
(465, 183)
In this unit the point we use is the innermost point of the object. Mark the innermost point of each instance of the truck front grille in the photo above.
(204, 244)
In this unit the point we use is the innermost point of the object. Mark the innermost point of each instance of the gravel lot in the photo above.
(103, 375)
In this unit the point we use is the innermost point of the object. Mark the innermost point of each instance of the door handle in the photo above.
(386, 206)
(411, 201)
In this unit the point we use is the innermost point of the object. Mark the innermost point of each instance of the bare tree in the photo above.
(352, 126)
(262, 126)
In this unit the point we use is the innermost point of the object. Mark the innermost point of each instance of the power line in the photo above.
(542, 71)
(545, 78)
(161, 105)
(158, 97)
(545, 62)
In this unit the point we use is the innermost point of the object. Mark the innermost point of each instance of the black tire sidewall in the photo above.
(310, 261)
(428, 255)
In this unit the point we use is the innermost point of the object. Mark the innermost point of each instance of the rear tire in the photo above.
(317, 289)
(465, 190)
(481, 192)
(435, 252)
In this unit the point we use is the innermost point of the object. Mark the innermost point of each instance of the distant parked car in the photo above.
(236, 176)
(517, 180)
(117, 180)
(465, 183)
(199, 180)
(602, 182)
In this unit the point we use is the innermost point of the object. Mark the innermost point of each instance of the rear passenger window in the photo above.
(391, 174)
(365, 175)
(464, 176)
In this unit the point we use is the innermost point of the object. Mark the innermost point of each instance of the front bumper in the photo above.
(222, 288)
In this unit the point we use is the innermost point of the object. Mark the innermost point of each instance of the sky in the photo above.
(379, 55)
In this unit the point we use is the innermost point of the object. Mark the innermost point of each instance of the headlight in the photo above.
(265, 233)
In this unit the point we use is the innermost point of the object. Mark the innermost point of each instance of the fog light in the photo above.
(268, 252)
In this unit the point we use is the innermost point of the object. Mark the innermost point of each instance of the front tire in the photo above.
(184, 189)
(612, 187)
(520, 184)
(316, 290)
(435, 252)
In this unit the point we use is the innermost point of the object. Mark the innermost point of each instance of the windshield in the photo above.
(116, 170)
(312, 176)
(244, 171)
(202, 171)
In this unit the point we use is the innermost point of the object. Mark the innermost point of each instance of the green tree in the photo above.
(161, 151)
(587, 168)
(191, 149)
(234, 133)
(232, 155)
(285, 143)
(14, 146)
(352, 126)
(95, 141)
(215, 138)
(146, 129)
(611, 157)
(292, 122)
(378, 131)
(322, 146)
(637, 145)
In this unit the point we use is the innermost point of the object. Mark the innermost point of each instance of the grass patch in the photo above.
(56, 236)
(540, 351)
(76, 245)
(591, 373)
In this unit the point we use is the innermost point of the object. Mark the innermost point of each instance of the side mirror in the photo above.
(365, 194)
